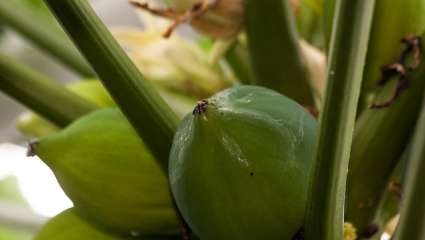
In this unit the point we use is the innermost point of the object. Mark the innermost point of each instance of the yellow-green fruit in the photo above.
(109, 174)
(32, 125)
(239, 166)
(69, 226)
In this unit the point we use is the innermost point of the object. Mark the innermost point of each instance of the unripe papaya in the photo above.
(110, 176)
(239, 166)
(69, 226)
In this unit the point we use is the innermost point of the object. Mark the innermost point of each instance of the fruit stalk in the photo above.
(276, 57)
(412, 217)
(41, 94)
(325, 210)
(43, 34)
(152, 118)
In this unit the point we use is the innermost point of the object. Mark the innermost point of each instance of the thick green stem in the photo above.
(380, 139)
(152, 118)
(412, 219)
(325, 210)
(276, 57)
(45, 35)
(239, 60)
(45, 96)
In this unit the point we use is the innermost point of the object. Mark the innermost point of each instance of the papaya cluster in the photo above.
(240, 162)
(120, 192)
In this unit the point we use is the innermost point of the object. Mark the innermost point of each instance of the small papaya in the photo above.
(240, 164)
(69, 226)
(110, 175)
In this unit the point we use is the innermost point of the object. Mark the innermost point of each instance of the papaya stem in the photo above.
(238, 58)
(41, 94)
(373, 160)
(412, 218)
(153, 119)
(275, 54)
(325, 207)
(44, 34)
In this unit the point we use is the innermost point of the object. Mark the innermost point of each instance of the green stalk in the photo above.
(238, 58)
(412, 218)
(43, 95)
(44, 34)
(325, 210)
(276, 57)
(380, 138)
(152, 118)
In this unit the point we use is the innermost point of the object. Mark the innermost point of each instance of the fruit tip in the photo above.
(31, 148)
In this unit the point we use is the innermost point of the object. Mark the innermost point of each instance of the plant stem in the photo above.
(239, 60)
(44, 34)
(412, 219)
(380, 138)
(325, 210)
(276, 57)
(152, 118)
(45, 96)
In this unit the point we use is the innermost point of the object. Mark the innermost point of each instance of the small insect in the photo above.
(201, 107)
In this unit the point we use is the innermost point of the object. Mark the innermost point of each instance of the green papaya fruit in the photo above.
(109, 174)
(239, 166)
(32, 125)
(69, 226)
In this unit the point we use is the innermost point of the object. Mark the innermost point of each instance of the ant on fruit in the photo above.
(201, 107)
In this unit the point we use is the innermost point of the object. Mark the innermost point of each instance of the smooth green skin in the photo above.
(240, 170)
(32, 125)
(109, 174)
(69, 226)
